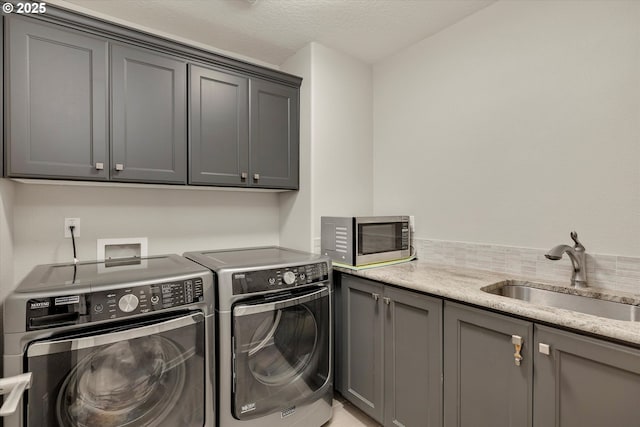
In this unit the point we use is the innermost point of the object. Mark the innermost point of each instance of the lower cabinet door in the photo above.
(362, 349)
(584, 382)
(413, 359)
(483, 384)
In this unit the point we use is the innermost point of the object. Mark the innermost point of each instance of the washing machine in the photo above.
(274, 341)
(115, 343)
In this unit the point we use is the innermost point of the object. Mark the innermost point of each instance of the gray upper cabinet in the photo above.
(274, 149)
(483, 386)
(57, 102)
(2, 103)
(391, 353)
(110, 103)
(243, 132)
(219, 128)
(149, 117)
(584, 382)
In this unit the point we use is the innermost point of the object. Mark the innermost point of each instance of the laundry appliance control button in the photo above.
(128, 303)
(289, 277)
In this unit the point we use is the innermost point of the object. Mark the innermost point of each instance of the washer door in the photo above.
(149, 376)
(281, 351)
(135, 382)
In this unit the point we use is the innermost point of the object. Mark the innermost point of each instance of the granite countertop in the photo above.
(464, 285)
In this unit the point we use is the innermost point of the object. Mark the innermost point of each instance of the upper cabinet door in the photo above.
(274, 149)
(149, 113)
(219, 128)
(57, 103)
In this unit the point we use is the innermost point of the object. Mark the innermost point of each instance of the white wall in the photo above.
(295, 206)
(515, 126)
(6, 237)
(342, 125)
(174, 221)
(336, 144)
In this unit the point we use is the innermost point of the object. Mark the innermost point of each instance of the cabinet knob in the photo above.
(243, 176)
(544, 349)
(387, 300)
(119, 166)
(517, 342)
(375, 296)
(256, 176)
(99, 166)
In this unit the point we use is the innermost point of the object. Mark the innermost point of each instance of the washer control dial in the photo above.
(128, 303)
(289, 277)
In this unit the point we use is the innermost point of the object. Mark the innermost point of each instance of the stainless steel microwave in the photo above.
(364, 240)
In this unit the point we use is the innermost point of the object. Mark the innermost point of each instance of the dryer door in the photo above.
(281, 351)
(144, 375)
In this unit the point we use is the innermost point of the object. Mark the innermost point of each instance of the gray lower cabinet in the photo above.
(390, 358)
(584, 382)
(391, 353)
(483, 384)
(275, 135)
(57, 102)
(362, 347)
(148, 116)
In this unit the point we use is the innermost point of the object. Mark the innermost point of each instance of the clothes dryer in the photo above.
(274, 311)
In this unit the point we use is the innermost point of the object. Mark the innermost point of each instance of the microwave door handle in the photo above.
(15, 386)
(247, 309)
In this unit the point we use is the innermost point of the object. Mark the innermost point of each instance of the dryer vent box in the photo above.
(113, 249)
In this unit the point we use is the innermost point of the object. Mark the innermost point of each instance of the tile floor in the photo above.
(347, 415)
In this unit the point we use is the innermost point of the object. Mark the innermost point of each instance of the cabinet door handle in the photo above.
(375, 296)
(119, 166)
(99, 166)
(544, 349)
(517, 342)
(387, 300)
(243, 176)
(256, 176)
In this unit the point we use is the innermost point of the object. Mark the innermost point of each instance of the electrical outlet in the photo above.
(68, 222)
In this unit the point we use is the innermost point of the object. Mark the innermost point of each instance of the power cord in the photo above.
(73, 241)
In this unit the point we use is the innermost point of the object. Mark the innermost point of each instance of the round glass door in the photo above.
(282, 345)
(134, 382)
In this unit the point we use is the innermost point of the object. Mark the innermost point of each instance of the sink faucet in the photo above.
(578, 257)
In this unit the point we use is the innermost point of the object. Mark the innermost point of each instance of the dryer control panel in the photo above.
(43, 313)
(279, 278)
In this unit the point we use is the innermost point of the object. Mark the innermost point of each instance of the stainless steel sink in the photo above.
(566, 298)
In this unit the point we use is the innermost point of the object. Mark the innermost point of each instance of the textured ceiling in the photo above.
(273, 30)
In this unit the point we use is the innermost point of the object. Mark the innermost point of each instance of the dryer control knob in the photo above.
(289, 277)
(128, 303)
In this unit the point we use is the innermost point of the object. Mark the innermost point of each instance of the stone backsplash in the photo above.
(603, 271)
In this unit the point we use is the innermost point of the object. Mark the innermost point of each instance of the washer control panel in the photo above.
(279, 278)
(51, 312)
